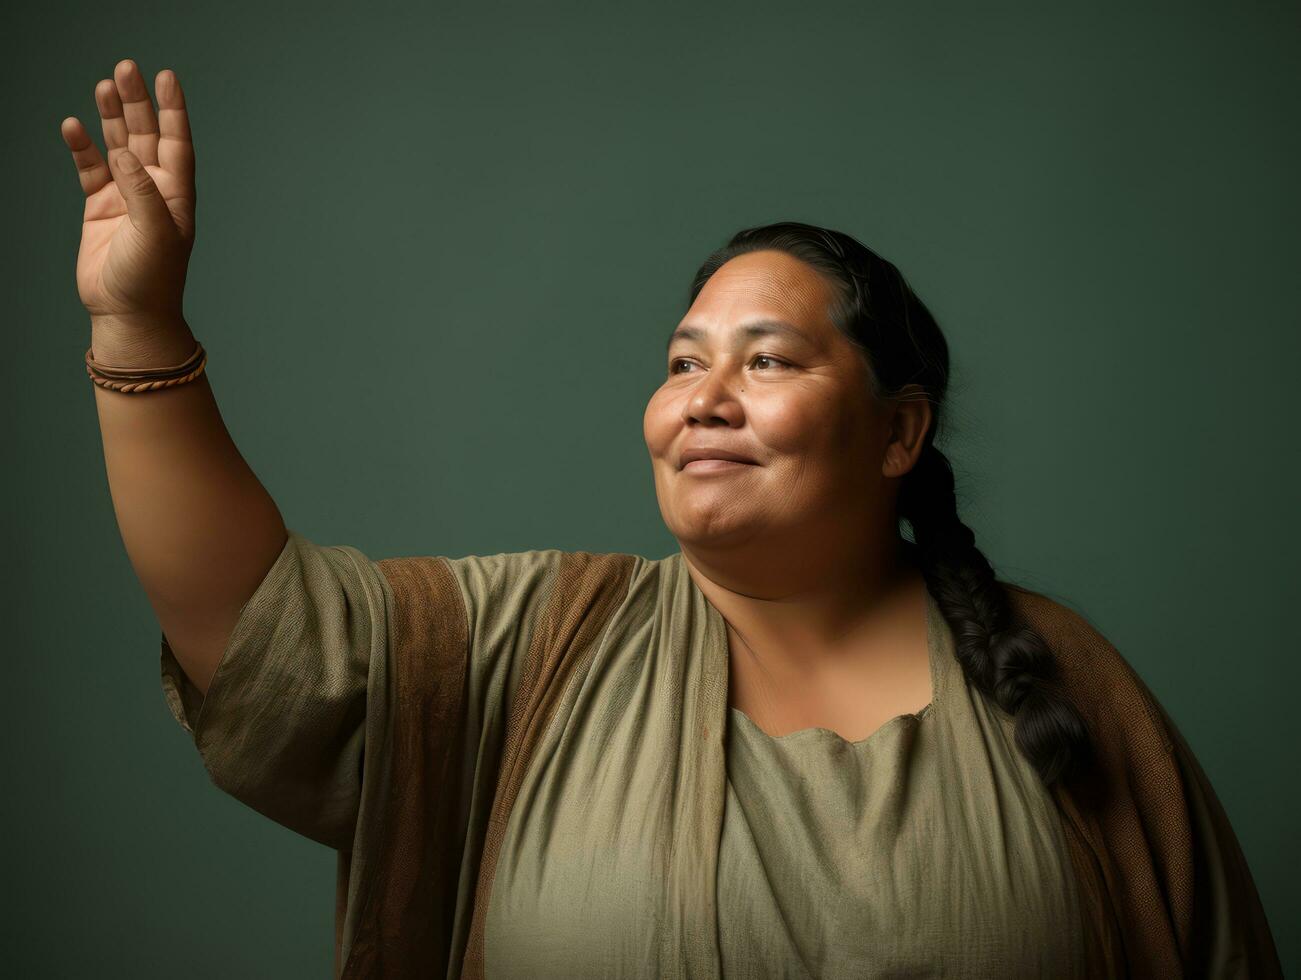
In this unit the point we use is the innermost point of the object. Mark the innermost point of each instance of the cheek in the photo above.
(797, 426)
(820, 442)
(657, 423)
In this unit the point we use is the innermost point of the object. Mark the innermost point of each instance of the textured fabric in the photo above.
(607, 866)
(282, 728)
(523, 761)
(929, 848)
(427, 824)
(585, 591)
(401, 920)
(1161, 848)
(315, 719)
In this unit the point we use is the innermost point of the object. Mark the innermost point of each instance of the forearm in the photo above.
(199, 528)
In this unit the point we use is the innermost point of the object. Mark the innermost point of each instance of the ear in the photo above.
(909, 420)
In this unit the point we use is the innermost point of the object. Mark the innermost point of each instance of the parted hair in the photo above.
(908, 357)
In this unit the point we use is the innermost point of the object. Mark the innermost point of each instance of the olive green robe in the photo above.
(528, 766)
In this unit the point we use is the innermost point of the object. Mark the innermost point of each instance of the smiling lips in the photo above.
(717, 458)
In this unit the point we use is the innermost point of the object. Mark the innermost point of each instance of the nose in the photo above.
(713, 399)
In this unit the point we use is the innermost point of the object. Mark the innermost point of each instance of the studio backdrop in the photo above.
(439, 252)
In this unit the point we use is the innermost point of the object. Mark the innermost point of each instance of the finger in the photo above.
(175, 149)
(145, 206)
(92, 169)
(111, 121)
(138, 108)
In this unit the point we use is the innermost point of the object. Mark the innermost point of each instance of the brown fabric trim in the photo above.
(1130, 811)
(587, 590)
(1235, 904)
(1104, 955)
(407, 903)
(343, 869)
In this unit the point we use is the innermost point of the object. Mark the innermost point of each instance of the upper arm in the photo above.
(339, 665)
(282, 724)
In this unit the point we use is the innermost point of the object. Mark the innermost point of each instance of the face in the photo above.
(794, 400)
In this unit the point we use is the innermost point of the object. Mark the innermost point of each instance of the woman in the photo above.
(802, 745)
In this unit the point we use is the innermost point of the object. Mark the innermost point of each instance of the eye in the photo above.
(673, 364)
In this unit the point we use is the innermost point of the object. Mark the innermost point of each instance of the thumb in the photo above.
(144, 205)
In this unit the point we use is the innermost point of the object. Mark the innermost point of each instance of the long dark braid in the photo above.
(1008, 662)
(907, 356)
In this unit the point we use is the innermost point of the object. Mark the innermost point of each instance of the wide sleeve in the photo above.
(1230, 934)
(282, 726)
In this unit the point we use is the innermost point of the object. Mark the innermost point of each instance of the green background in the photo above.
(439, 253)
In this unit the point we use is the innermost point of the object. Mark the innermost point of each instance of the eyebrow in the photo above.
(747, 331)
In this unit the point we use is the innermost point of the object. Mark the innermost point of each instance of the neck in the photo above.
(810, 608)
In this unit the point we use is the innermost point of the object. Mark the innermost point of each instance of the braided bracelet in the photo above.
(139, 380)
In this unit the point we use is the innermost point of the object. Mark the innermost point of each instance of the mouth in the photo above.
(694, 456)
(714, 465)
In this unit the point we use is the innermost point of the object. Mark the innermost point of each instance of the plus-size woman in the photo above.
(804, 744)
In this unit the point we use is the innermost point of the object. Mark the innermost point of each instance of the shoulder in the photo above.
(1149, 812)
(555, 567)
(1101, 683)
(510, 581)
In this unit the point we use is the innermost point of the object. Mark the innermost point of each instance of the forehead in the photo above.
(768, 284)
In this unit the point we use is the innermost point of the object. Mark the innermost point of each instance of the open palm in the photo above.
(138, 227)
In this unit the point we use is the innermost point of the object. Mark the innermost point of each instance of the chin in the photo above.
(717, 531)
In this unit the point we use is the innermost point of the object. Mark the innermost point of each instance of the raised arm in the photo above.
(199, 528)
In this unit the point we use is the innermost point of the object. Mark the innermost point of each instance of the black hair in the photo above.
(908, 357)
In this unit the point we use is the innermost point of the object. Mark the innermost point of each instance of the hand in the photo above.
(138, 227)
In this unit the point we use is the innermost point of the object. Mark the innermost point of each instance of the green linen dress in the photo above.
(635, 848)
(929, 848)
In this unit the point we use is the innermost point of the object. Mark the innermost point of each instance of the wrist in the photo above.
(140, 342)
